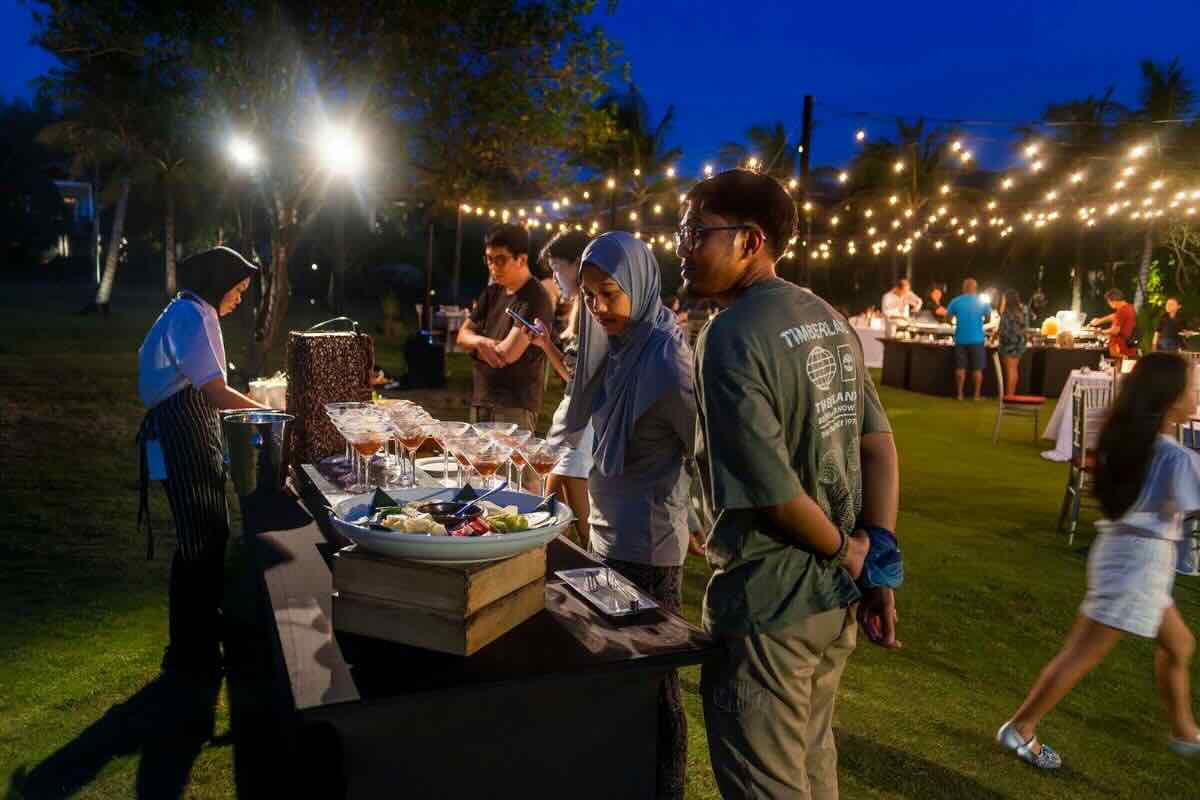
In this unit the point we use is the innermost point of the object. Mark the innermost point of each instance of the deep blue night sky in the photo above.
(727, 65)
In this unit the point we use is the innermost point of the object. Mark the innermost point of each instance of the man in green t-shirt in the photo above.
(797, 462)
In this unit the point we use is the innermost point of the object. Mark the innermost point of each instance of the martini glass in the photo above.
(487, 456)
(336, 411)
(514, 440)
(366, 439)
(459, 447)
(444, 430)
(493, 428)
(411, 432)
(543, 457)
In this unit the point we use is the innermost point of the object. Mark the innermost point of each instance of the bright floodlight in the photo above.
(243, 152)
(341, 150)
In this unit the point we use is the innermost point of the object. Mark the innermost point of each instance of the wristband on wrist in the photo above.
(837, 558)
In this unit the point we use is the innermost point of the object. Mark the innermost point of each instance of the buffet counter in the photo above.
(525, 716)
(928, 368)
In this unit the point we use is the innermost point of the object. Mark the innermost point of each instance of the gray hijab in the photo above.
(618, 378)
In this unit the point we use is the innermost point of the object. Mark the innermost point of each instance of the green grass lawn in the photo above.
(991, 591)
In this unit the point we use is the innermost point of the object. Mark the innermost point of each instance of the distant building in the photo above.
(80, 234)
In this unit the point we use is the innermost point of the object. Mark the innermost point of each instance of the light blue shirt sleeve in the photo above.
(195, 352)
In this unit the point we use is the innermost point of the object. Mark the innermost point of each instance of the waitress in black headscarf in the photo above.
(181, 380)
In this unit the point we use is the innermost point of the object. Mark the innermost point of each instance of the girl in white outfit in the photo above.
(1146, 483)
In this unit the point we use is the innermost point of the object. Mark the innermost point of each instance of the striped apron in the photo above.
(189, 430)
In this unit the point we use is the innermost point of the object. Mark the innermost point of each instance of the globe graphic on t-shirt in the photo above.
(821, 367)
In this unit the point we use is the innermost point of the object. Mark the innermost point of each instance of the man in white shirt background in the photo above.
(899, 303)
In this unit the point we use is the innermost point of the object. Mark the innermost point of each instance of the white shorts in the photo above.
(1129, 582)
(578, 462)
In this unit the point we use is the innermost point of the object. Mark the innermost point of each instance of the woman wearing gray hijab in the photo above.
(633, 382)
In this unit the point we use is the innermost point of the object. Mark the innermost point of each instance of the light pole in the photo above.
(341, 153)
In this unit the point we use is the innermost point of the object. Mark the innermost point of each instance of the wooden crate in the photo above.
(450, 609)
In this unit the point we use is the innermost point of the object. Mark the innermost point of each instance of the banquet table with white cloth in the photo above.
(1058, 429)
(871, 344)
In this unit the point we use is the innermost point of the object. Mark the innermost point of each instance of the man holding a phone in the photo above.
(509, 374)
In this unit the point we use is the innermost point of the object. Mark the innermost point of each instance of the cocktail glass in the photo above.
(543, 457)
(366, 439)
(514, 440)
(444, 431)
(487, 456)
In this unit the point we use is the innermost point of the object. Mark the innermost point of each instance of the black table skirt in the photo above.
(526, 716)
(928, 368)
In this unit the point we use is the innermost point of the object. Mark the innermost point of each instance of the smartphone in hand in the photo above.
(529, 326)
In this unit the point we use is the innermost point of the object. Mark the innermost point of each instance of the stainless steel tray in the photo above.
(609, 591)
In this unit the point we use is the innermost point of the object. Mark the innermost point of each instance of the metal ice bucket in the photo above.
(254, 450)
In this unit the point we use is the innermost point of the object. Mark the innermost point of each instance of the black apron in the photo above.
(188, 429)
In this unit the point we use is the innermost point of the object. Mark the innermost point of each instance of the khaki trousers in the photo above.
(768, 708)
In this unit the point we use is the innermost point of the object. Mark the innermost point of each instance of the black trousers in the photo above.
(665, 585)
(189, 431)
(195, 600)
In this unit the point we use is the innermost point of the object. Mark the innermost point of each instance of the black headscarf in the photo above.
(209, 275)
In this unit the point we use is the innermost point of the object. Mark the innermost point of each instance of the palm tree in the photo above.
(638, 151)
(769, 145)
(102, 115)
(1084, 130)
(905, 178)
(1166, 94)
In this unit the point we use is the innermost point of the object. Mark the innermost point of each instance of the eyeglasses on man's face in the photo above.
(691, 235)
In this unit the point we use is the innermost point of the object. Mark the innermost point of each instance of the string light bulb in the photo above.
(587, 195)
(637, 173)
(1031, 150)
(956, 146)
(843, 177)
(898, 167)
(708, 170)
(861, 135)
(1138, 151)
(1007, 183)
(657, 208)
(670, 172)
(611, 184)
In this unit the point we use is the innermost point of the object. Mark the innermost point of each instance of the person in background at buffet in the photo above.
(899, 303)
(1146, 483)
(633, 383)
(934, 307)
(1012, 338)
(509, 376)
(1122, 323)
(800, 473)
(969, 311)
(1167, 336)
(545, 275)
(569, 480)
(181, 381)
